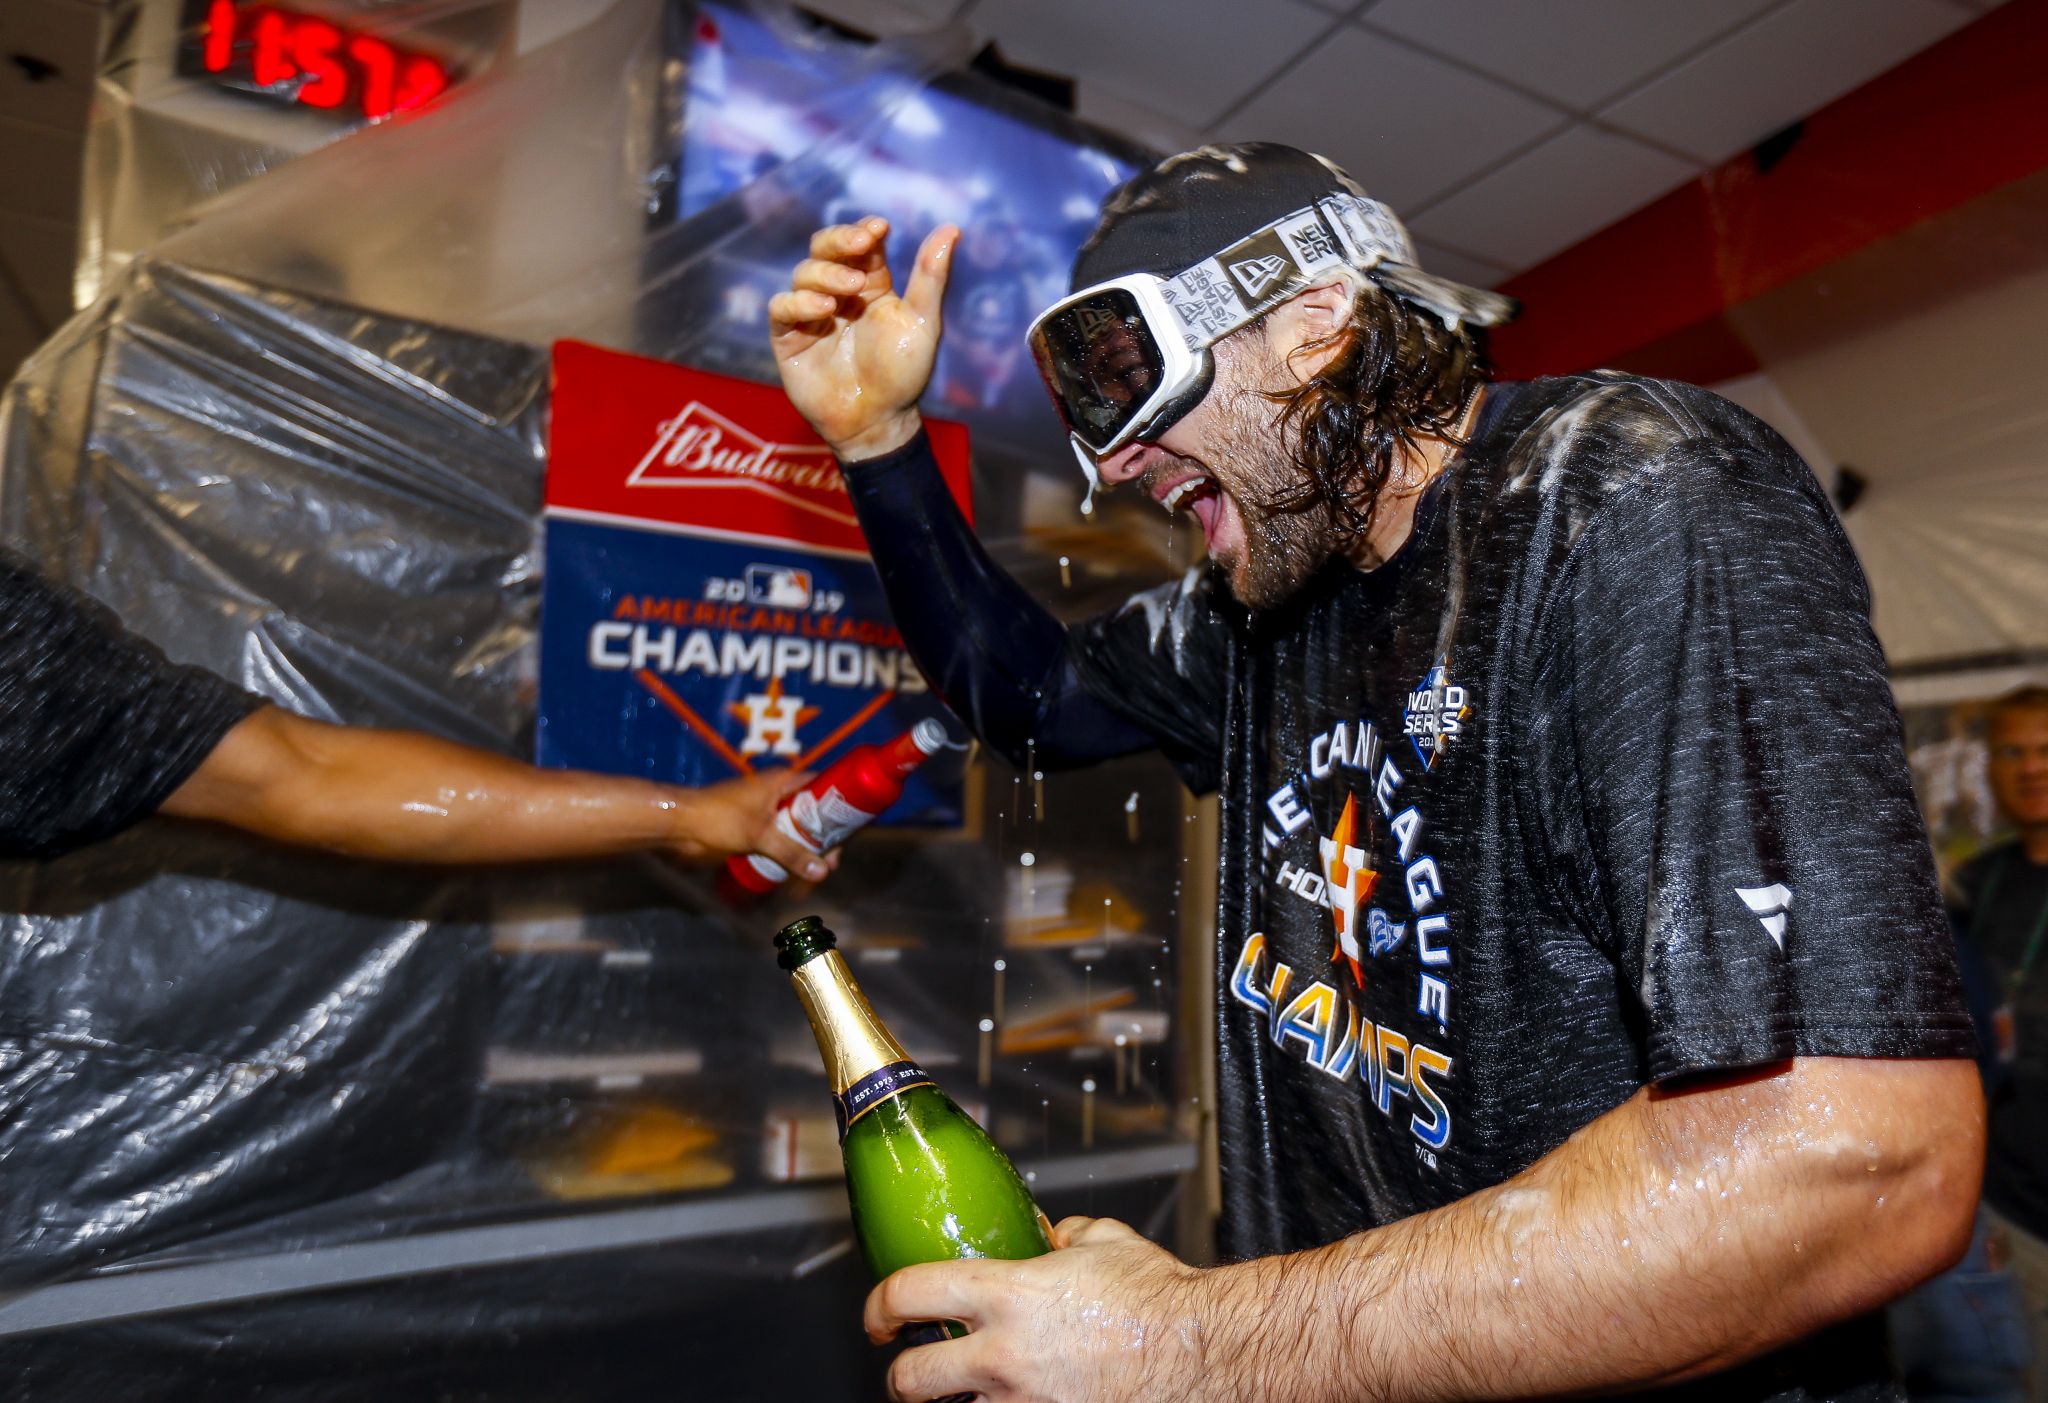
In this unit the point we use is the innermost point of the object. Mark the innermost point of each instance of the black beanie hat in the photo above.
(1189, 206)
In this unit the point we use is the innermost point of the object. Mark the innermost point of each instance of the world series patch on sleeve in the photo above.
(709, 608)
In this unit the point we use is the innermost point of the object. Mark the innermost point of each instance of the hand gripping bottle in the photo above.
(926, 1184)
(847, 797)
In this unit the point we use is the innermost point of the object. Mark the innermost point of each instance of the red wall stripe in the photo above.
(1954, 121)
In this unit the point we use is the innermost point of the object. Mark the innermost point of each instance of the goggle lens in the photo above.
(1100, 361)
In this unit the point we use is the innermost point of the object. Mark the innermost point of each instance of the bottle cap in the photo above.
(802, 941)
(929, 736)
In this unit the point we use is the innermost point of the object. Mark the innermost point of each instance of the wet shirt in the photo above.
(97, 727)
(2003, 913)
(1597, 783)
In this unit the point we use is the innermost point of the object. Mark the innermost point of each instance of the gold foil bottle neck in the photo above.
(850, 1037)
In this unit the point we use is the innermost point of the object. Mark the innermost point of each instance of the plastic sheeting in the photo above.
(160, 145)
(301, 442)
(337, 512)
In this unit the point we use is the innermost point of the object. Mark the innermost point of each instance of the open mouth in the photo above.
(1199, 496)
(1186, 490)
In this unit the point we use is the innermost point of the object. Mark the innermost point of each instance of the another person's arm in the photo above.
(1684, 1231)
(401, 796)
(99, 730)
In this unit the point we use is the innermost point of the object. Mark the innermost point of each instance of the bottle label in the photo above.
(826, 820)
(882, 1084)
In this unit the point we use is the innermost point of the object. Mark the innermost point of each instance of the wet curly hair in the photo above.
(1399, 375)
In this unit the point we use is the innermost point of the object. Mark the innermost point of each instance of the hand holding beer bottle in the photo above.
(824, 812)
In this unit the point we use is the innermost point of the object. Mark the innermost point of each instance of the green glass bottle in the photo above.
(925, 1182)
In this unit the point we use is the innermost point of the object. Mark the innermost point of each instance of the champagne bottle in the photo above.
(841, 801)
(925, 1182)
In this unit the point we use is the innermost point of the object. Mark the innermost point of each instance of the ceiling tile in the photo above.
(1190, 59)
(1550, 198)
(1406, 126)
(1106, 106)
(1450, 263)
(1579, 52)
(40, 254)
(57, 33)
(1786, 66)
(42, 170)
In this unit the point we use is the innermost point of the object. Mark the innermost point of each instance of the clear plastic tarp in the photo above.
(300, 438)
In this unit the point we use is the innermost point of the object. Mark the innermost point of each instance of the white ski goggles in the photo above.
(1125, 359)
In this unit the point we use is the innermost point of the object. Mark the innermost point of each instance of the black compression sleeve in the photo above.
(996, 656)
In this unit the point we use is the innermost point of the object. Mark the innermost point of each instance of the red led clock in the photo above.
(306, 60)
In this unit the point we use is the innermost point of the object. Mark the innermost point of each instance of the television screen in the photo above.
(1023, 181)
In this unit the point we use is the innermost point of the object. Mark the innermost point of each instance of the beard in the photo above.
(1254, 464)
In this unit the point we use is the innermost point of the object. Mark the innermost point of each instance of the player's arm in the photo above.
(406, 797)
(1683, 1232)
(997, 656)
(855, 358)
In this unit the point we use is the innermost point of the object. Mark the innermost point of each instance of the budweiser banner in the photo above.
(709, 608)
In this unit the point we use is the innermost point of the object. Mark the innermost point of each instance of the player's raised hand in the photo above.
(854, 355)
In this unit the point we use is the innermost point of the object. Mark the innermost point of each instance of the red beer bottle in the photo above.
(847, 797)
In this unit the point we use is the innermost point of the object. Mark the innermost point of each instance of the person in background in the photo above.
(1587, 1016)
(98, 730)
(2001, 909)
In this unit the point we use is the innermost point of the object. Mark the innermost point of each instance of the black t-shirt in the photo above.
(1598, 782)
(2003, 913)
(97, 728)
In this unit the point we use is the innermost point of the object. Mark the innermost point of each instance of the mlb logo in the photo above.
(778, 587)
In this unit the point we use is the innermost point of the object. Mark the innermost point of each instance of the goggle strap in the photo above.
(1256, 274)
(1368, 230)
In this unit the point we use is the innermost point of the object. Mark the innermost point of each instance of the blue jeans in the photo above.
(1962, 1337)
